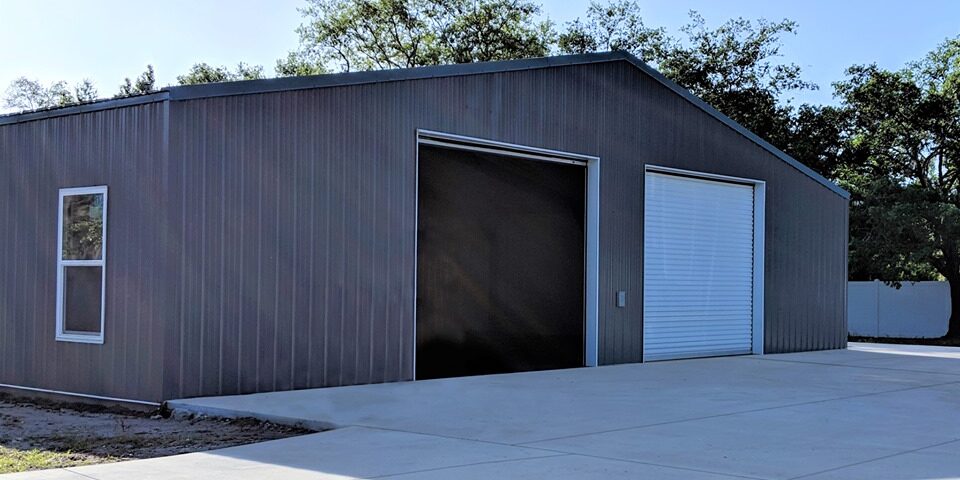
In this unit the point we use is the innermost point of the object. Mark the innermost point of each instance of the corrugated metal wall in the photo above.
(121, 148)
(276, 248)
(298, 213)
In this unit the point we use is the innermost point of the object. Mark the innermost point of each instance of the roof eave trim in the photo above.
(270, 85)
(85, 108)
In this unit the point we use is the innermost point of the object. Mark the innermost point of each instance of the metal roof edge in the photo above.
(98, 105)
(696, 101)
(270, 85)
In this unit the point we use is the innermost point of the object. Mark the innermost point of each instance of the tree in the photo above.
(26, 94)
(904, 172)
(298, 65)
(205, 73)
(733, 68)
(493, 30)
(617, 25)
(85, 91)
(145, 83)
(379, 34)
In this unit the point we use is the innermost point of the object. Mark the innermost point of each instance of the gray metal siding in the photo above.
(300, 220)
(297, 271)
(120, 148)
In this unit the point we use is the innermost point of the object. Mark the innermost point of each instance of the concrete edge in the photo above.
(183, 407)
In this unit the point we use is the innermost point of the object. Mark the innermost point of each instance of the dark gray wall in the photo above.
(299, 218)
(275, 248)
(120, 148)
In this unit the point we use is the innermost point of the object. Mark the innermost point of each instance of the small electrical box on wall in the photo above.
(621, 299)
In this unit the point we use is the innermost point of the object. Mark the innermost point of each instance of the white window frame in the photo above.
(62, 334)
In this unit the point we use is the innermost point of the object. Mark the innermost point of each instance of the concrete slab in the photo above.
(535, 406)
(939, 462)
(790, 441)
(348, 453)
(567, 466)
(871, 412)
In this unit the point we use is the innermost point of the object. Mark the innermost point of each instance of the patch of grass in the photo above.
(13, 460)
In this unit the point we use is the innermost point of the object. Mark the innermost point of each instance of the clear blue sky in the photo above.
(107, 40)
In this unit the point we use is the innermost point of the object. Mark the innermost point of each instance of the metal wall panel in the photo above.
(122, 148)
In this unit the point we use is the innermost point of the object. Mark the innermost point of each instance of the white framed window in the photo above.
(81, 264)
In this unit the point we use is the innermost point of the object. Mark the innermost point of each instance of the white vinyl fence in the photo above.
(916, 310)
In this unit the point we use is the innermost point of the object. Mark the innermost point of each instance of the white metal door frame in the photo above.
(759, 227)
(592, 240)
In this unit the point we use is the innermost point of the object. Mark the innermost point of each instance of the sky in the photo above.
(108, 40)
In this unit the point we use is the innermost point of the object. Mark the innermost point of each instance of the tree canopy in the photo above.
(617, 25)
(205, 73)
(145, 83)
(26, 94)
(902, 165)
(350, 35)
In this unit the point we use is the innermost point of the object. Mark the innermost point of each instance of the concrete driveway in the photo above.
(874, 411)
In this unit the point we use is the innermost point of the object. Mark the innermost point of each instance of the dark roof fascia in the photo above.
(690, 97)
(188, 92)
(85, 108)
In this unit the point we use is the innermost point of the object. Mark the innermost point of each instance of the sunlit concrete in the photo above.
(873, 411)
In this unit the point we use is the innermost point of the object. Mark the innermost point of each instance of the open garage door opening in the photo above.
(500, 263)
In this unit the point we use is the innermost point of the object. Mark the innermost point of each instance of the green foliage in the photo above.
(296, 64)
(26, 94)
(891, 232)
(205, 73)
(145, 83)
(378, 34)
(617, 25)
(85, 91)
(493, 30)
(816, 136)
(903, 154)
(733, 68)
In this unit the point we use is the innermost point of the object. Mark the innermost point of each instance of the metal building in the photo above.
(385, 226)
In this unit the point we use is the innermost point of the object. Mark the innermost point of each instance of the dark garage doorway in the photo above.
(500, 263)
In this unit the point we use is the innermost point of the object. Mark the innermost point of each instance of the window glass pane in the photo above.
(83, 227)
(81, 300)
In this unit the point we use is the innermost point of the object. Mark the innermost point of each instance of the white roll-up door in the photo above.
(698, 267)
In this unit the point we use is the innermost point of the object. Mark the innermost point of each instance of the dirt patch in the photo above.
(38, 434)
(939, 342)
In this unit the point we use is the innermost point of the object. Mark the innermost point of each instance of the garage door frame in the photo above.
(592, 208)
(759, 233)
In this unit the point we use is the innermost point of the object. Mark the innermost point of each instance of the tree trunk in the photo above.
(954, 330)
